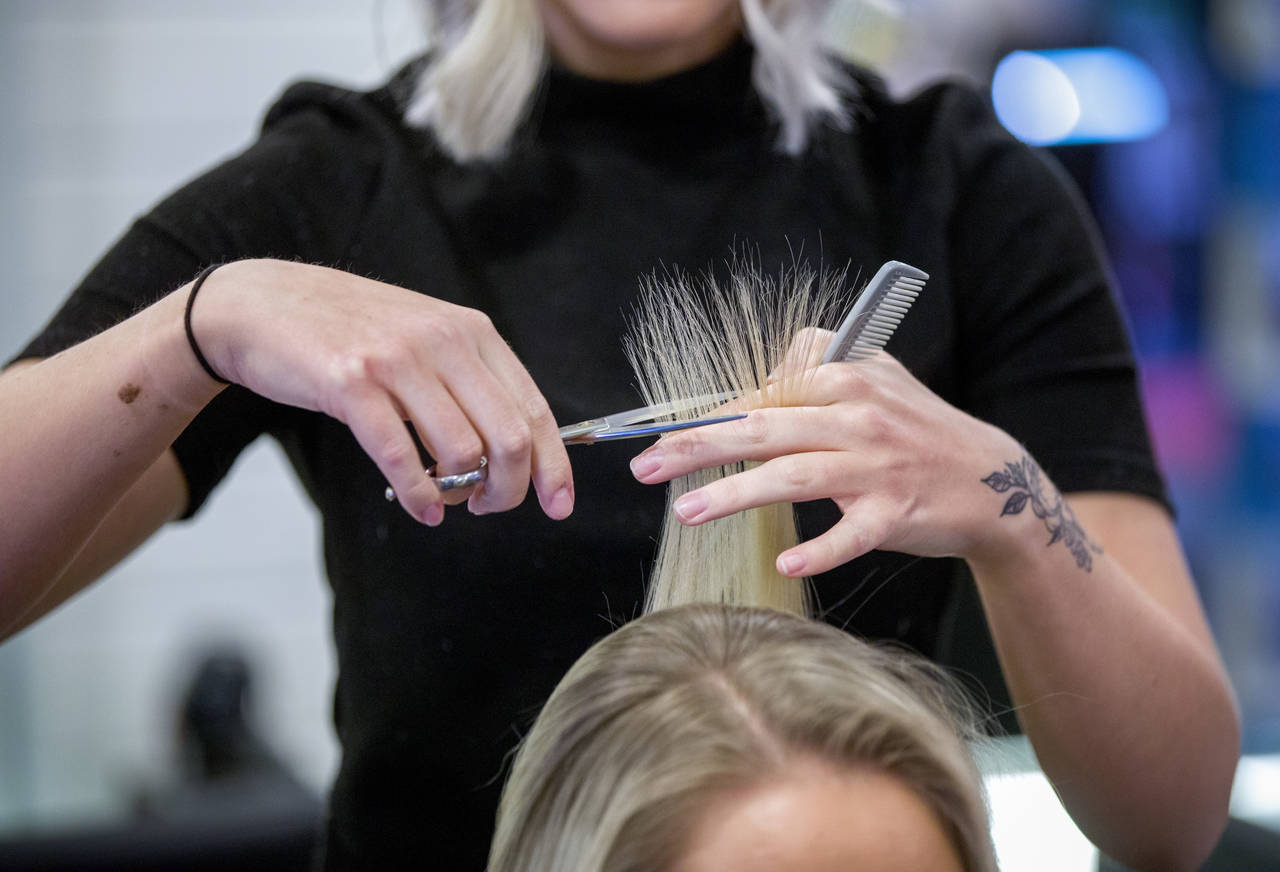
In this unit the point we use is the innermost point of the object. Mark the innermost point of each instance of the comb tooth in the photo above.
(885, 302)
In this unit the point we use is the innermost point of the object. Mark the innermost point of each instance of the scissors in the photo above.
(631, 424)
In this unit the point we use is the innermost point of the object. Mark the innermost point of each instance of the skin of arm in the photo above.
(89, 426)
(86, 472)
(1115, 674)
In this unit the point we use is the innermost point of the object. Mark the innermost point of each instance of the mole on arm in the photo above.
(129, 393)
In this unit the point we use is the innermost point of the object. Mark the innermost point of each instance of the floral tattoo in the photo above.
(1025, 480)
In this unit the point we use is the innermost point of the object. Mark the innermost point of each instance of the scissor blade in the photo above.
(659, 410)
(655, 429)
(619, 424)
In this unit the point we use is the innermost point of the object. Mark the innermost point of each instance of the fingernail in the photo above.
(646, 464)
(561, 503)
(434, 514)
(689, 506)
(790, 564)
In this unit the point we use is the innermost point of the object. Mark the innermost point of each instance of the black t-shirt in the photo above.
(449, 639)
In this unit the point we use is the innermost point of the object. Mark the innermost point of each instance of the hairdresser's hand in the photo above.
(904, 466)
(374, 356)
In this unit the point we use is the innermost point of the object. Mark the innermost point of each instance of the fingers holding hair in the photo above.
(852, 536)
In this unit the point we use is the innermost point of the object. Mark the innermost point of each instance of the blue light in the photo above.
(1034, 98)
(1083, 95)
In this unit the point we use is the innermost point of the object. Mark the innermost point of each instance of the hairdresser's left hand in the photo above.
(904, 466)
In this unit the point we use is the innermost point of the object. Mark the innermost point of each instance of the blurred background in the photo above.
(1166, 113)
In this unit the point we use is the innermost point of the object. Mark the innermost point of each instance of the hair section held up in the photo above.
(751, 335)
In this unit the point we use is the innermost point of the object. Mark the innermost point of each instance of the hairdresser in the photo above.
(458, 252)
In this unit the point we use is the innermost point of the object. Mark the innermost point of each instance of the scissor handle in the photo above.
(457, 481)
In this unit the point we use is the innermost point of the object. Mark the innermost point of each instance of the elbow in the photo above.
(1194, 815)
(1185, 851)
(1170, 848)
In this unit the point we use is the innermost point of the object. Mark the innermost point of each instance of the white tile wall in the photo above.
(105, 105)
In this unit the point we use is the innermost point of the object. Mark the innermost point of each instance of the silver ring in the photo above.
(463, 479)
(456, 481)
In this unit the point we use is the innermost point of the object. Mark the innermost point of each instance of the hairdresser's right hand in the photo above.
(374, 356)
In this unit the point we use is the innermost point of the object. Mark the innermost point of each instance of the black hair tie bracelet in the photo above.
(186, 322)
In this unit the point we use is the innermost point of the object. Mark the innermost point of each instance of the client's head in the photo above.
(708, 737)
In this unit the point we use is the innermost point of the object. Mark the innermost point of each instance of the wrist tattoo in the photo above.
(1027, 484)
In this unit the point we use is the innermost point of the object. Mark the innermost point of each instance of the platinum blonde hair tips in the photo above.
(752, 336)
(488, 57)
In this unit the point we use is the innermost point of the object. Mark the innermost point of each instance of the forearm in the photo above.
(1122, 696)
(81, 428)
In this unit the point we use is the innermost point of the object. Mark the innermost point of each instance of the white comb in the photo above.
(877, 312)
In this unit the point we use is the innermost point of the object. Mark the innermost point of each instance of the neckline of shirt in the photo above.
(701, 105)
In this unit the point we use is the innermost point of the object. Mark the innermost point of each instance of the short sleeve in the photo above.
(297, 194)
(1043, 348)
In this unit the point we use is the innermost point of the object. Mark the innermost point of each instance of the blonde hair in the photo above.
(750, 336)
(681, 707)
(489, 56)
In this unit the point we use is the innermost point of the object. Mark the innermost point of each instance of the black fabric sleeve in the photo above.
(297, 193)
(1043, 351)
